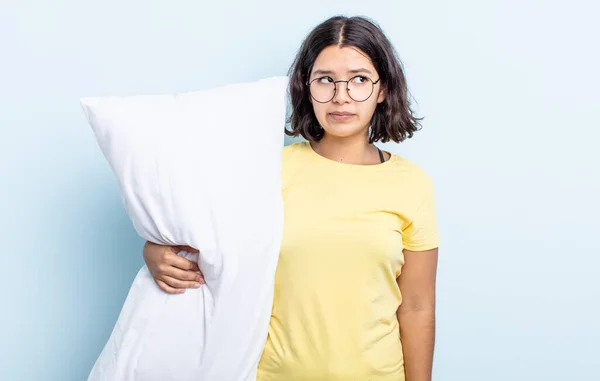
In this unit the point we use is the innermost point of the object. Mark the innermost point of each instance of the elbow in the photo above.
(422, 305)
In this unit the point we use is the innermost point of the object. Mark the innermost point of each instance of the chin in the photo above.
(343, 131)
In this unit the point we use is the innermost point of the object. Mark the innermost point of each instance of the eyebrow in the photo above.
(360, 70)
(353, 71)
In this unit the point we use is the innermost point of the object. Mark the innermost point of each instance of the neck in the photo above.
(350, 150)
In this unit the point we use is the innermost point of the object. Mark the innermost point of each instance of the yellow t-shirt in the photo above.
(336, 296)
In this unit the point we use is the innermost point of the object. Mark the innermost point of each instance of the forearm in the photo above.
(417, 332)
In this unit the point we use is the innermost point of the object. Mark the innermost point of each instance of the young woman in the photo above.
(355, 283)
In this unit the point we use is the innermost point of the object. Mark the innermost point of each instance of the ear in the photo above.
(381, 96)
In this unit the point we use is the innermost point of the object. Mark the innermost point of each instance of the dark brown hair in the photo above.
(393, 118)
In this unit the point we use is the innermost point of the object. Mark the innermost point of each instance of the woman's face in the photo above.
(343, 116)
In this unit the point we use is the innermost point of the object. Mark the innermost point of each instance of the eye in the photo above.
(360, 79)
(325, 80)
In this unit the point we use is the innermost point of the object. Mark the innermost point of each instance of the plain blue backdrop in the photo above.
(509, 92)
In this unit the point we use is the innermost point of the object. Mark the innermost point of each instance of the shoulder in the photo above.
(294, 147)
(409, 172)
(410, 186)
(292, 153)
(292, 162)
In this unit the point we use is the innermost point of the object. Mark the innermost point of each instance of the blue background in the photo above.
(509, 90)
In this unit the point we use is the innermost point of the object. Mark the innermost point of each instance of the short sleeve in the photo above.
(422, 232)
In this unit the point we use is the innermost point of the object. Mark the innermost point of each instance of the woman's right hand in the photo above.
(171, 272)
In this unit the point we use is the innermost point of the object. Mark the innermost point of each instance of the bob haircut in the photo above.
(393, 118)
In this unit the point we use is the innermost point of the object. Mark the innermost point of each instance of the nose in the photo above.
(341, 92)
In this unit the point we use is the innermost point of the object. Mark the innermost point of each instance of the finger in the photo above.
(187, 248)
(194, 266)
(181, 263)
(168, 289)
(184, 275)
(179, 284)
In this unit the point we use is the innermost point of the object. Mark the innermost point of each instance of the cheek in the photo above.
(368, 109)
(319, 110)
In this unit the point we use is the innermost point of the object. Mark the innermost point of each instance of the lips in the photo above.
(341, 116)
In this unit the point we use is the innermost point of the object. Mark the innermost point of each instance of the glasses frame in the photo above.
(373, 83)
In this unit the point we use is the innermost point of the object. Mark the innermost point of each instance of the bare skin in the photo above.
(171, 272)
(416, 315)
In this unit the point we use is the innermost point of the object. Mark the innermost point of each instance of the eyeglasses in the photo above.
(323, 89)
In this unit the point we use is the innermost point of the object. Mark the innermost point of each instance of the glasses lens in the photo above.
(322, 90)
(360, 88)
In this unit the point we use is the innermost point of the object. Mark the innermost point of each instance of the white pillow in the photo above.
(199, 169)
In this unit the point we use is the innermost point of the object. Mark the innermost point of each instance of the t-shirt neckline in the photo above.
(308, 147)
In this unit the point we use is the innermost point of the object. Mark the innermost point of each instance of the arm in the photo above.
(416, 315)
